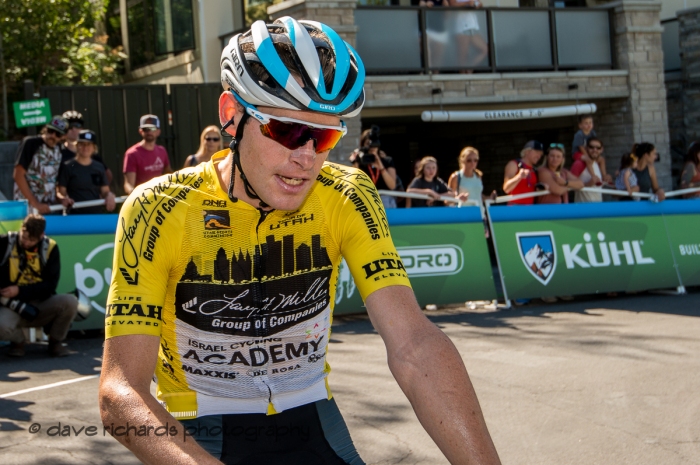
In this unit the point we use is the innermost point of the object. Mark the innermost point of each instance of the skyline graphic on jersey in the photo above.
(273, 259)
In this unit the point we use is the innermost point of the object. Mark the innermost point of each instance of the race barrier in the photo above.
(554, 250)
(541, 251)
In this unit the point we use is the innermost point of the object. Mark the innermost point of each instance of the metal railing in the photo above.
(401, 40)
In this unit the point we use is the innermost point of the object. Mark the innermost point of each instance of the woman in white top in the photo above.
(468, 178)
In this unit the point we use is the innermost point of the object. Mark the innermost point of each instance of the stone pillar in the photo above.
(340, 15)
(689, 41)
(637, 48)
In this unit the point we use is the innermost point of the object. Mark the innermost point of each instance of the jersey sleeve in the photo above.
(365, 240)
(26, 151)
(146, 242)
(578, 167)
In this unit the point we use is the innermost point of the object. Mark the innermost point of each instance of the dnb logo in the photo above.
(537, 251)
(91, 281)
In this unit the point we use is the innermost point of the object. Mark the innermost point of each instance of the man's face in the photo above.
(26, 241)
(282, 177)
(594, 149)
(149, 134)
(51, 137)
(533, 156)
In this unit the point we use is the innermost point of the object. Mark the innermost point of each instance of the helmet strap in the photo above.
(236, 162)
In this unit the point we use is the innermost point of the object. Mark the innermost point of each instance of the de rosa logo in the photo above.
(538, 253)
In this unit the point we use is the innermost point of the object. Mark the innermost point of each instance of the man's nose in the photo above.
(305, 155)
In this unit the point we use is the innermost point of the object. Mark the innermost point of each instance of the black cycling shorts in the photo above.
(312, 434)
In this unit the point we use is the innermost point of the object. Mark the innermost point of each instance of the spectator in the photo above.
(520, 176)
(37, 164)
(145, 160)
(376, 164)
(579, 152)
(467, 30)
(690, 176)
(436, 30)
(594, 148)
(626, 180)
(29, 275)
(83, 178)
(557, 179)
(70, 145)
(645, 171)
(209, 144)
(467, 180)
(428, 183)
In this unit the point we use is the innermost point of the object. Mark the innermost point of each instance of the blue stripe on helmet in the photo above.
(272, 62)
(289, 25)
(342, 65)
(359, 84)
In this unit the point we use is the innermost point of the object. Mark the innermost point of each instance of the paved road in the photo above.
(613, 381)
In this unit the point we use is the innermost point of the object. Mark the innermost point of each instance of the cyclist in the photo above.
(224, 279)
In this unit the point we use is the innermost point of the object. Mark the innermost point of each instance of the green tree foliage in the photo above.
(55, 42)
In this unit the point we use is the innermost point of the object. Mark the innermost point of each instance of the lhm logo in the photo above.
(537, 251)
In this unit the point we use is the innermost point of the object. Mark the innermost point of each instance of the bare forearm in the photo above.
(434, 379)
(23, 187)
(510, 184)
(122, 406)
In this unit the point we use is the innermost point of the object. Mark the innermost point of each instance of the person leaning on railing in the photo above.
(646, 172)
(428, 183)
(520, 176)
(555, 177)
(467, 179)
(690, 176)
(82, 178)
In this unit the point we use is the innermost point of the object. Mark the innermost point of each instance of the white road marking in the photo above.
(48, 386)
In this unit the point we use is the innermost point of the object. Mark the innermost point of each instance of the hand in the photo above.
(43, 208)
(10, 291)
(463, 197)
(110, 202)
(608, 179)
(561, 181)
(660, 194)
(595, 180)
(493, 195)
(434, 195)
(67, 202)
(523, 173)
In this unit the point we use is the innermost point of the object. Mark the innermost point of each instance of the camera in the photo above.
(27, 311)
(367, 158)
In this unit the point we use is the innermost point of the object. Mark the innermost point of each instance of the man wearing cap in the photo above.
(520, 175)
(36, 166)
(145, 160)
(82, 178)
(70, 146)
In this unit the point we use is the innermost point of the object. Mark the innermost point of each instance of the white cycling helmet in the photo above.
(344, 96)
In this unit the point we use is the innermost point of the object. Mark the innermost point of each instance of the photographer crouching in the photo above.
(29, 272)
(378, 166)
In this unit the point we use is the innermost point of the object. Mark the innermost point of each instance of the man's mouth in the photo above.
(291, 181)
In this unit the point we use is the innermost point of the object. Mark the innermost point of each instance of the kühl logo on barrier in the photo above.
(537, 250)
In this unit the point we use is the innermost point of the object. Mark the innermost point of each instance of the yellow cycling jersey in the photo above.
(242, 299)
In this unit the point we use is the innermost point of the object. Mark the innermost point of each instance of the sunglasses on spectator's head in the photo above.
(293, 133)
(212, 139)
(557, 146)
(595, 147)
(54, 132)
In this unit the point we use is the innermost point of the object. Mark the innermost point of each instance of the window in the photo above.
(552, 3)
(157, 28)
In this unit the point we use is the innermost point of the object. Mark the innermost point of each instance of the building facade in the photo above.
(510, 55)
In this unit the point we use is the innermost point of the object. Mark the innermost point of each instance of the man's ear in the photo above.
(229, 108)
